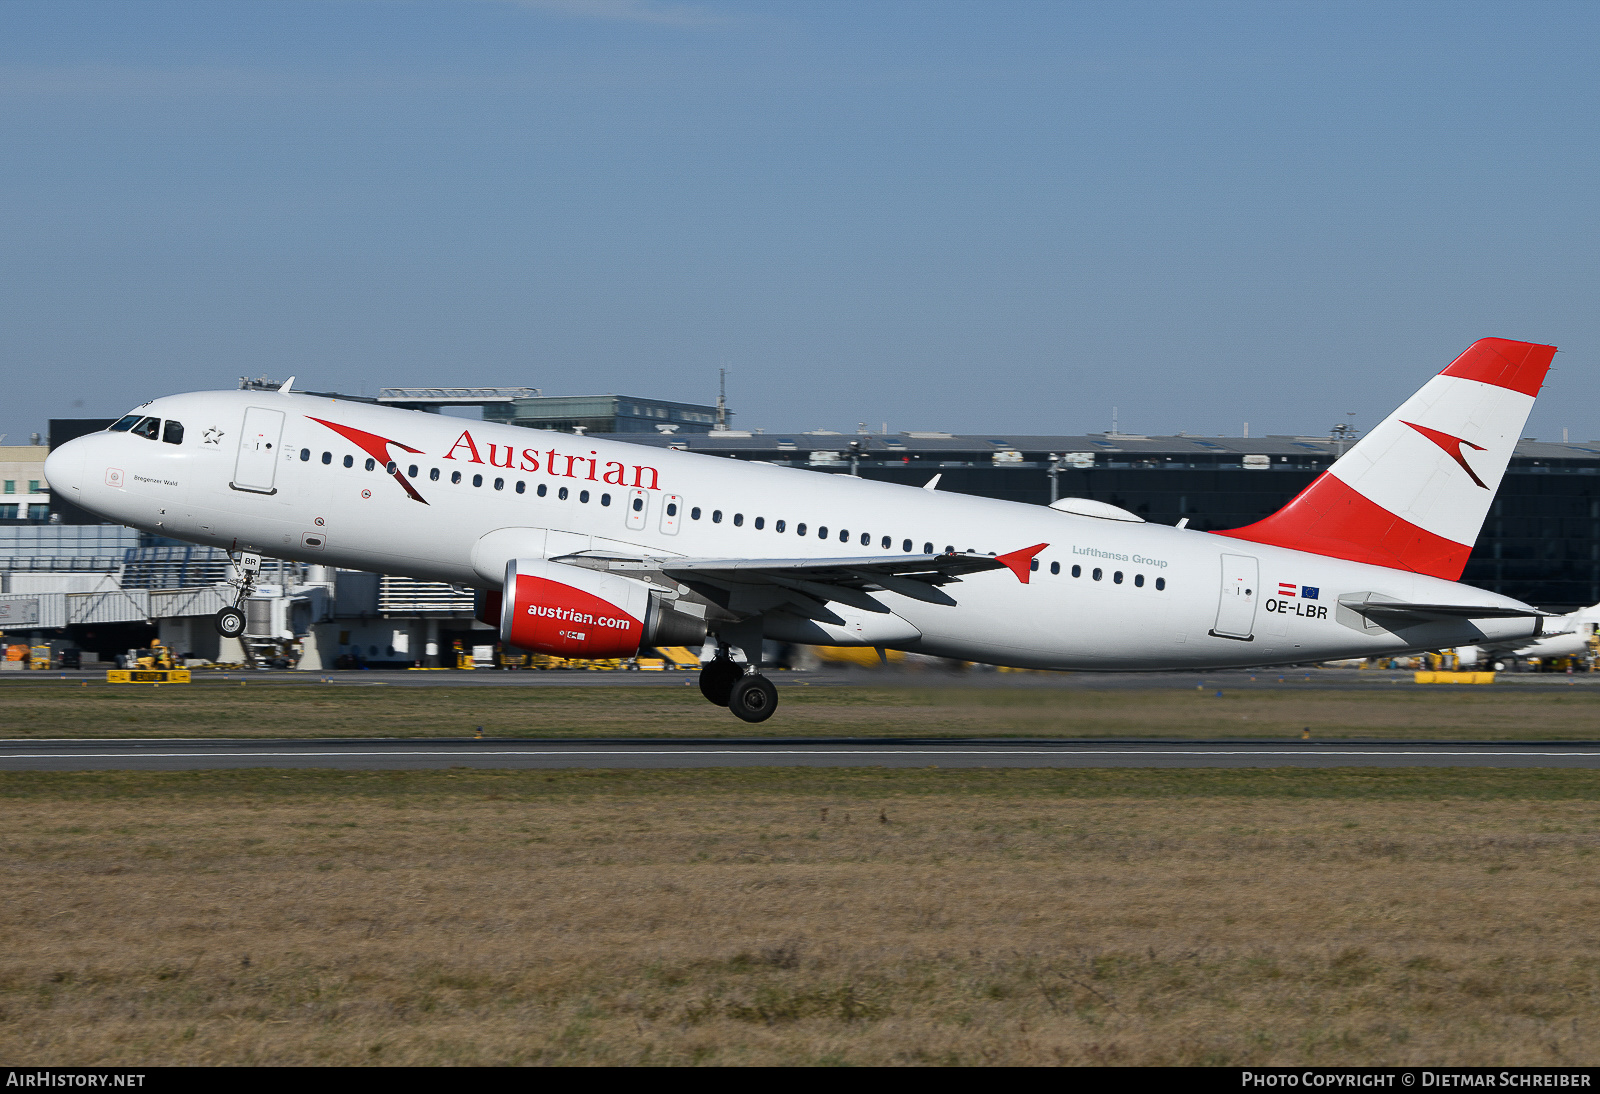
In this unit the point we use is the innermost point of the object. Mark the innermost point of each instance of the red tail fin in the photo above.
(1413, 493)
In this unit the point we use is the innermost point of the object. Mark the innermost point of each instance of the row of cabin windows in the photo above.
(1098, 574)
(759, 523)
(455, 477)
(149, 428)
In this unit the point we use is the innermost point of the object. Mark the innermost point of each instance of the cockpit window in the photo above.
(172, 432)
(147, 428)
(124, 423)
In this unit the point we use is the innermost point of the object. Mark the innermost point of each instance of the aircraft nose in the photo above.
(63, 468)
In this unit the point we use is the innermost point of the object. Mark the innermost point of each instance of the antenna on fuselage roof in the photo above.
(287, 384)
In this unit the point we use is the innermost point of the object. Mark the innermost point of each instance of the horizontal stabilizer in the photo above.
(1444, 611)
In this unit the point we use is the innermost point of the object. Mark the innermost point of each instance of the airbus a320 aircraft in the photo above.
(591, 548)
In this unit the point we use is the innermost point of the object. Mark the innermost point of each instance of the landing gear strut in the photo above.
(230, 622)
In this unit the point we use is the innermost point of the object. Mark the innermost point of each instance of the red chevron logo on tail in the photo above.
(1451, 446)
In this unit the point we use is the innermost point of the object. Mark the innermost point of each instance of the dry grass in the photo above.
(800, 917)
(217, 709)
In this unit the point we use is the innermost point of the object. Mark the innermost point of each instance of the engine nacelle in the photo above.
(548, 607)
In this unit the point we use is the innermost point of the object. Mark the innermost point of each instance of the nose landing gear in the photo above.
(230, 622)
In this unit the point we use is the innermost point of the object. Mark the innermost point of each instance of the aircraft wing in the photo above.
(750, 585)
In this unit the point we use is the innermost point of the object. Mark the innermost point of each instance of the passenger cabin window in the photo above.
(779, 526)
(799, 529)
(327, 457)
(349, 461)
(172, 433)
(477, 480)
(305, 455)
(1138, 581)
(1055, 567)
(390, 468)
(455, 478)
(561, 494)
(411, 472)
(1098, 573)
(694, 514)
(1077, 571)
(433, 474)
(583, 496)
(822, 531)
(522, 487)
(738, 520)
(499, 484)
(716, 516)
(761, 522)
(371, 464)
(543, 489)
(927, 548)
(1161, 583)
(605, 499)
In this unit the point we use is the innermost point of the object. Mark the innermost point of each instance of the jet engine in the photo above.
(548, 607)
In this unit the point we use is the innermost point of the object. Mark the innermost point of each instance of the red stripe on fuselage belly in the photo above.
(1329, 518)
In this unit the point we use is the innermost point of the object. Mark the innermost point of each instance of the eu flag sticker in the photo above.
(1309, 592)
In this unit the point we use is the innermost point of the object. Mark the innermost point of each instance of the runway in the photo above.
(424, 754)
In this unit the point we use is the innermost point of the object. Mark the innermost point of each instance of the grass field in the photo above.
(871, 917)
(218, 709)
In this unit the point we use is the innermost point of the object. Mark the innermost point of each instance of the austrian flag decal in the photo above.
(1304, 592)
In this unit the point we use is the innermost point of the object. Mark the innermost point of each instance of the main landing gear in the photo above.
(747, 693)
(230, 622)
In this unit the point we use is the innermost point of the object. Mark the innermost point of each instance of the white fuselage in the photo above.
(1163, 598)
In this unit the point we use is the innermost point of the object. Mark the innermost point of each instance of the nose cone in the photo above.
(63, 468)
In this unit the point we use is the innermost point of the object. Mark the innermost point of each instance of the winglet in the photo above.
(1021, 562)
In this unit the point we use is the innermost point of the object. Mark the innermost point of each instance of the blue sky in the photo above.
(973, 217)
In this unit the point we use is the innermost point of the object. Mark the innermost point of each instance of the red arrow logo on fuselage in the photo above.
(378, 448)
(1452, 448)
